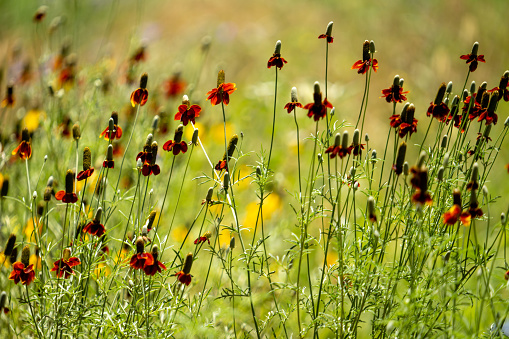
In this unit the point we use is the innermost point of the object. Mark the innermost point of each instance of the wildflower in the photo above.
(439, 109)
(420, 182)
(328, 34)
(95, 227)
(174, 86)
(116, 130)
(147, 149)
(473, 184)
(318, 109)
(364, 64)
(24, 149)
(371, 209)
(489, 114)
(473, 58)
(294, 102)
(109, 162)
(223, 163)
(141, 259)
(222, 92)
(408, 122)
(156, 266)
(87, 169)
(150, 220)
(454, 213)
(275, 59)
(63, 267)
(3, 303)
(150, 166)
(67, 196)
(140, 95)
(176, 145)
(187, 112)
(473, 210)
(9, 99)
(502, 87)
(208, 199)
(395, 92)
(356, 146)
(21, 270)
(183, 276)
(205, 237)
(339, 149)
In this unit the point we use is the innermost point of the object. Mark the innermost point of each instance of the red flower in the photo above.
(472, 59)
(502, 87)
(489, 114)
(187, 112)
(82, 175)
(405, 128)
(292, 105)
(175, 147)
(138, 55)
(94, 228)
(174, 86)
(149, 169)
(328, 34)
(68, 198)
(20, 273)
(116, 133)
(183, 277)
(275, 59)
(395, 120)
(156, 266)
(420, 182)
(205, 237)
(221, 165)
(338, 150)
(140, 260)
(364, 64)
(357, 149)
(64, 266)
(109, 163)
(140, 95)
(394, 94)
(439, 111)
(221, 93)
(452, 215)
(24, 149)
(318, 109)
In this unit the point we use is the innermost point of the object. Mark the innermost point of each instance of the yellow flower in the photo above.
(271, 204)
(32, 118)
(179, 233)
(217, 132)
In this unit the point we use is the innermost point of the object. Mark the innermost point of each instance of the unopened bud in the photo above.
(475, 173)
(188, 263)
(373, 156)
(143, 81)
(25, 256)
(232, 243)
(485, 192)
(155, 122)
(34, 195)
(337, 140)
(98, 214)
(371, 209)
(446, 160)
(209, 194)
(277, 49)
(293, 95)
(366, 137)
(226, 181)
(406, 168)
(503, 218)
(444, 141)
(328, 32)
(139, 164)
(194, 139)
(372, 49)
(258, 171)
(422, 158)
(76, 132)
(448, 90)
(475, 48)
(356, 137)
(440, 174)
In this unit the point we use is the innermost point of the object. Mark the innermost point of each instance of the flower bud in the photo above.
(316, 88)
(503, 218)
(34, 195)
(10, 244)
(153, 149)
(356, 136)
(293, 95)
(422, 158)
(372, 47)
(464, 95)
(328, 32)
(220, 78)
(98, 214)
(155, 252)
(506, 122)
(344, 140)
(50, 181)
(3, 301)
(209, 194)
(373, 156)
(400, 158)
(446, 160)
(14, 255)
(139, 164)
(440, 94)
(143, 81)
(111, 127)
(444, 141)
(332, 112)
(226, 181)
(155, 122)
(448, 89)
(5, 187)
(178, 133)
(231, 145)
(188, 263)
(395, 83)
(277, 49)
(475, 48)
(319, 156)
(371, 209)
(144, 230)
(472, 87)
(25, 256)
(76, 132)
(232, 243)
(194, 139)
(440, 174)
(366, 137)
(485, 191)
(258, 171)
(337, 140)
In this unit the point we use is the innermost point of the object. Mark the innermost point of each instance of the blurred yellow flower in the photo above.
(271, 204)
(29, 229)
(179, 233)
(32, 119)
(36, 261)
(217, 132)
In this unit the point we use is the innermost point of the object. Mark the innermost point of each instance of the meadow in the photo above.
(258, 170)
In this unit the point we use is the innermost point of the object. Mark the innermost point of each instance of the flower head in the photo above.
(276, 59)
(502, 87)
(150, 166)
(205, 237)
(187, 112)
(318, 109)
(116, 130)
(156, 266)
(109, 162)
(63, 267)
(489, 115)
(184, 275)
(420, 182)
(21, 270)
(140, 95)
(24, 149)
(68, 196)
(340, 147)
(473, 58)
(176, 145)
(395, 92)
(88, 170)
(439, 109)
(222, 92)
(223, 163)
(328, 34)
(95, 227)
(141, 259)
(363, 65)
(174, 85)
(294, 101)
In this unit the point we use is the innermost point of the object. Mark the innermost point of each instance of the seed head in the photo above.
(109, 154)
(67, 253)
(231, 146)
(87, 159)
(373, 156)
(69, 181)
(440, 174)
(25, 256)
(140, 245)
(178, 133)
(76, 132)
(328, 32)
(503, 218)
(316, 88)
(395, 83)
(400, 158)
(356, 137)
(366, 137)
(226, 181)
(98, 214)
(493, 101)
(47, 193)
(14, 255)
(153, 149)
(155, 252)
(472, 87)
(220, 78)
(344, 140)
(444, 141)
(337, 140)
(293, 95)
(440, 94)
(209, 194)
(3, 300)
(448, 90)
(151, 218)
(475, 48)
